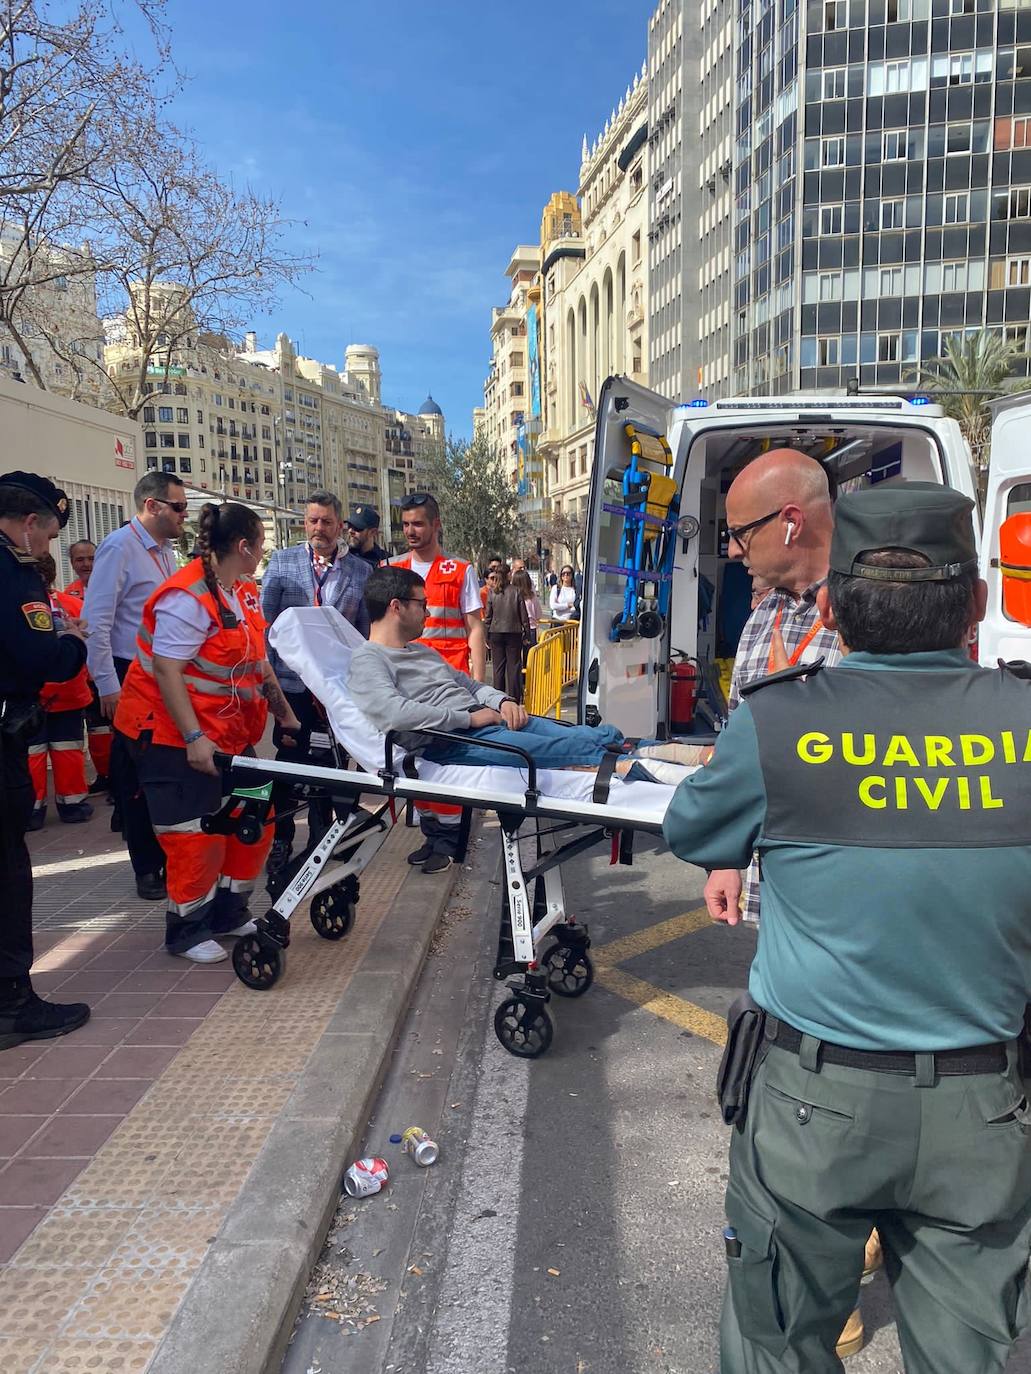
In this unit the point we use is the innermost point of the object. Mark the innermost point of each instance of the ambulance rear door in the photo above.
(619, 677)
(1009, 493)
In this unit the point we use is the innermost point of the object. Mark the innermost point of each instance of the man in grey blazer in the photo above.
(319, 572)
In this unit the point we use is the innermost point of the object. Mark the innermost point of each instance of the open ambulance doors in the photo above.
(697, 605)
(1006, 543)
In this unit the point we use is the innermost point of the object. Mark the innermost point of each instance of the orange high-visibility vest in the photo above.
(74, 694)
(76, 589)
(223, 680)
(445, 628)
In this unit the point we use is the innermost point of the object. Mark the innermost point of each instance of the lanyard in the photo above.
(800, 650)
(320, 582)
(159, 558)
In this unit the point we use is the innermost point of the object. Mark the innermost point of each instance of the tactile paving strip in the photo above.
(97, 1283)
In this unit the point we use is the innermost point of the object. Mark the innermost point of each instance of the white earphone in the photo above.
(789, 532)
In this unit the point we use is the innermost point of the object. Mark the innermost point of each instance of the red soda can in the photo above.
(365, 1177)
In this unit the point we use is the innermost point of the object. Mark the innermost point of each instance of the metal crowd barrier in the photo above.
(552, 663)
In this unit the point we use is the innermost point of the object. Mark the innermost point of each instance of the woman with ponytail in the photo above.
(201, 682)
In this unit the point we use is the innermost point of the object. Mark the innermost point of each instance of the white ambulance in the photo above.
(695, 610)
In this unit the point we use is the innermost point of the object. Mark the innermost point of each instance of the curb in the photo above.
(237, 1314)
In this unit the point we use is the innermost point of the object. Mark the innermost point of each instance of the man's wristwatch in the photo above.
(193, 736)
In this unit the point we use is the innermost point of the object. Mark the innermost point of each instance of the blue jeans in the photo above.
(549, 743)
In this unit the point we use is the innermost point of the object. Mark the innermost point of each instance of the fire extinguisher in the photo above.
(683, 691)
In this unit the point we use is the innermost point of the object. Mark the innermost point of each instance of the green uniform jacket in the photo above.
(889, 799)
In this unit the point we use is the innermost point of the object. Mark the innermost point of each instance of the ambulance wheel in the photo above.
(524, 1028)
(332, 914)
(258, 964)
(249, 830)
(569, 970)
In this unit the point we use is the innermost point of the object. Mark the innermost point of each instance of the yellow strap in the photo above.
(1016, 571)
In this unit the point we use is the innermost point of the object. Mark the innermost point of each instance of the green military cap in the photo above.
(920, 517)
(51, 495)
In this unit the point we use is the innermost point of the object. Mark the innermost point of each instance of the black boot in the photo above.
(25, 1016)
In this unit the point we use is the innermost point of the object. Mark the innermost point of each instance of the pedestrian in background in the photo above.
(363, 535)
(59, 736)
(506, 623)
(201, 682)
(893, 967)
(317, 572)
(32, 512)
(99, 734)
(563, 600)
(523, 584)
(131, 563)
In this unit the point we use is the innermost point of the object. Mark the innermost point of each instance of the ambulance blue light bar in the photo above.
(920, 400)
(699, 403)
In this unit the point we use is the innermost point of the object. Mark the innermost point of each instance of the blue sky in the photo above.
(416, 143)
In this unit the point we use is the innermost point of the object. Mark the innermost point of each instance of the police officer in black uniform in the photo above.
(32, 511)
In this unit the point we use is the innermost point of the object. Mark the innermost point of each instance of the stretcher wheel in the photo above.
(249, 830)
(332, 914)
(649, 624)
(258, 964)
(569, 970)
(525, 1029)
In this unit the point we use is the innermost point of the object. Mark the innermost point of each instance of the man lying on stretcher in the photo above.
(407, 687)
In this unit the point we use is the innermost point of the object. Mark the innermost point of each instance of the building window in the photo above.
(829, 286)
(165, 415)
(1014, 272)
(893, 214)
(200, 417)
(957, 138)
(182, 415)
(1017, 204)
(890, 283)
(150, 439)
(833, 83)
(961, 68)
(636, 178)
(218, 398)
(184, 440)
(832, 152)
(887, 348)
(957, 207)
(635, 243)
(167, 441)
(200, 440)
(895, 145)
(835, 15)
(828, 351)
(184, 465)
(148, 415)
(831, 219)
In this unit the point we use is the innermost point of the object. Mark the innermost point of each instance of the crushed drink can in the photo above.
(416, 1142)
(365, 1177)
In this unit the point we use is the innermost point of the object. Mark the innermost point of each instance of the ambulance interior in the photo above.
(625, 677)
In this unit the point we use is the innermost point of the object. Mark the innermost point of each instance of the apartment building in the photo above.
(506, 388)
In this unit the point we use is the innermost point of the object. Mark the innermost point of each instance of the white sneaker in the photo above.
(207, 952)
(248, 928)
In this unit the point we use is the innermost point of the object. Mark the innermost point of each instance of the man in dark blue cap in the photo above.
(888, 799)
(32, 511)
(362, 535)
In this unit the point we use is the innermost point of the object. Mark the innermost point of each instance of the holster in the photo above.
(746, 1022)
(19, 719)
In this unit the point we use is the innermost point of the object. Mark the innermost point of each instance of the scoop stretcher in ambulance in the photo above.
(542, 948)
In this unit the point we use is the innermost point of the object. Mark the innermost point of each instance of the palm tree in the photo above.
(974, 369)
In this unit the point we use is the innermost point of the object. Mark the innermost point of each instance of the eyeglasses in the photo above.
(417, 498)
(180, 507)
(737, 532)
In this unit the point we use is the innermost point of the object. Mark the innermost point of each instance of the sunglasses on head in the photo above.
(180, 507)
(417, 498)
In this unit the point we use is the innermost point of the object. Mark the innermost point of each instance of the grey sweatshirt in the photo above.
(414, 688)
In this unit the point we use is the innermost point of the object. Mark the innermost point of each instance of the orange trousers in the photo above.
(60, 738)
(210, 879)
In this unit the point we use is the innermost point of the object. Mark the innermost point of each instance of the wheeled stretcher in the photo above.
(542, 948)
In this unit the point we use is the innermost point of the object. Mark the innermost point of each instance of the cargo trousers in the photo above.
(943, 1171)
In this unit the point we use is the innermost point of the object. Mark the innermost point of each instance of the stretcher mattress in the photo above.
(317, 642)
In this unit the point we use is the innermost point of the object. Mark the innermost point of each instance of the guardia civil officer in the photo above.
(32, 510)
(888, 1090)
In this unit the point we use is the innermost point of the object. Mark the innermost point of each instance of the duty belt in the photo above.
(975, 1059)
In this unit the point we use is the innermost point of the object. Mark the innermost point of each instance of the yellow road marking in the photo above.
(642, 941)
(666, 1005)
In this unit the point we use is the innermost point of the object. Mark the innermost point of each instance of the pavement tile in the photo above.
(34, 1303)
(75, 1237)
(81, 983)
(187, 1003)
(117, 960)
(36, 1182)
(15, 1131)
(13, 1063)
(128, 1301)
(157, 981)
(16, 1223)
(106, 1030)
(102, 1355)
(19, 1355)
(69, 1059)
(105, 1096)
(137, 1061)
(135, 1004)
(36, 1096)
(164, 1030)
(70, 1136)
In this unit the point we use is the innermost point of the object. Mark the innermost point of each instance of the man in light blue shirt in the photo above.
(129, 565)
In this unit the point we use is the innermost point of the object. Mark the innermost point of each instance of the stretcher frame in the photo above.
(533, 905)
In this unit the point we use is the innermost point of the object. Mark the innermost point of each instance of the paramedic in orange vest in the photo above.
(60, 733)
(200, 682)
(454, 627)
(99, 735)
